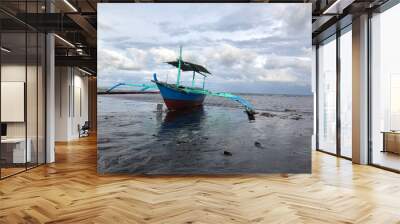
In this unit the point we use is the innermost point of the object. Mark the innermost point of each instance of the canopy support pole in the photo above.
(193, 79)
(204, 81)
(179, 66)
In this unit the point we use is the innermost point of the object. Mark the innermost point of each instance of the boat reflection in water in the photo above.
(176, 123)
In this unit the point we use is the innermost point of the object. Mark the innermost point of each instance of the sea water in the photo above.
(137, 138)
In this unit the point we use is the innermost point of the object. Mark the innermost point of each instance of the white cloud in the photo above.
(277, 75)
(231, 56)
(237, 43)
(162, 54)
(275, 62)
(110, 60)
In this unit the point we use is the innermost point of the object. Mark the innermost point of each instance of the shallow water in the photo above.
(133, 137)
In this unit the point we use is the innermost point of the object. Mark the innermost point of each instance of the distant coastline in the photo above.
(128, 92)
(103, 91)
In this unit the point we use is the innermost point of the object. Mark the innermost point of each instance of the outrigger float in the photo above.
(179, 97)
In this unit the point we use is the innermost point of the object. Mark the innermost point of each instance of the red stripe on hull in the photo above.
(182, 104)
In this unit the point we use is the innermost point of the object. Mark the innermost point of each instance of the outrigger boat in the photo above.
(180, 97)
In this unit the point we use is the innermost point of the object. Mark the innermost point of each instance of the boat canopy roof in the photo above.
(187, 66)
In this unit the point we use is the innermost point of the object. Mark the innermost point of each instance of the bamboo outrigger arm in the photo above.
(143, 86)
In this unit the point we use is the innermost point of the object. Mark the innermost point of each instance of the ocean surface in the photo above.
(135, 137)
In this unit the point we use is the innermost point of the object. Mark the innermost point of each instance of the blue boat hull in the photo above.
(177, 99)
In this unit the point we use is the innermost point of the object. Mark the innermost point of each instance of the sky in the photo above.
(248, 48)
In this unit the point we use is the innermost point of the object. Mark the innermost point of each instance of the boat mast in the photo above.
(193, 79)
(179, 65)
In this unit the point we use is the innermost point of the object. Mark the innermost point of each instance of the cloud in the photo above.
(109, 60)
(296, 21)
(230, 56)
(279, 62)
(246, 65)
(134, 59)
(162, 54)
(244, 18)
(240, 20)
(240, 44)
(104, 26)
(278, 45)
(227, 63)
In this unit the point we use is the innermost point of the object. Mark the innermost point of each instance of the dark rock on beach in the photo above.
(178, 142)
(227, 153)
(258, 144)
(296, 117)
(266, 114)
